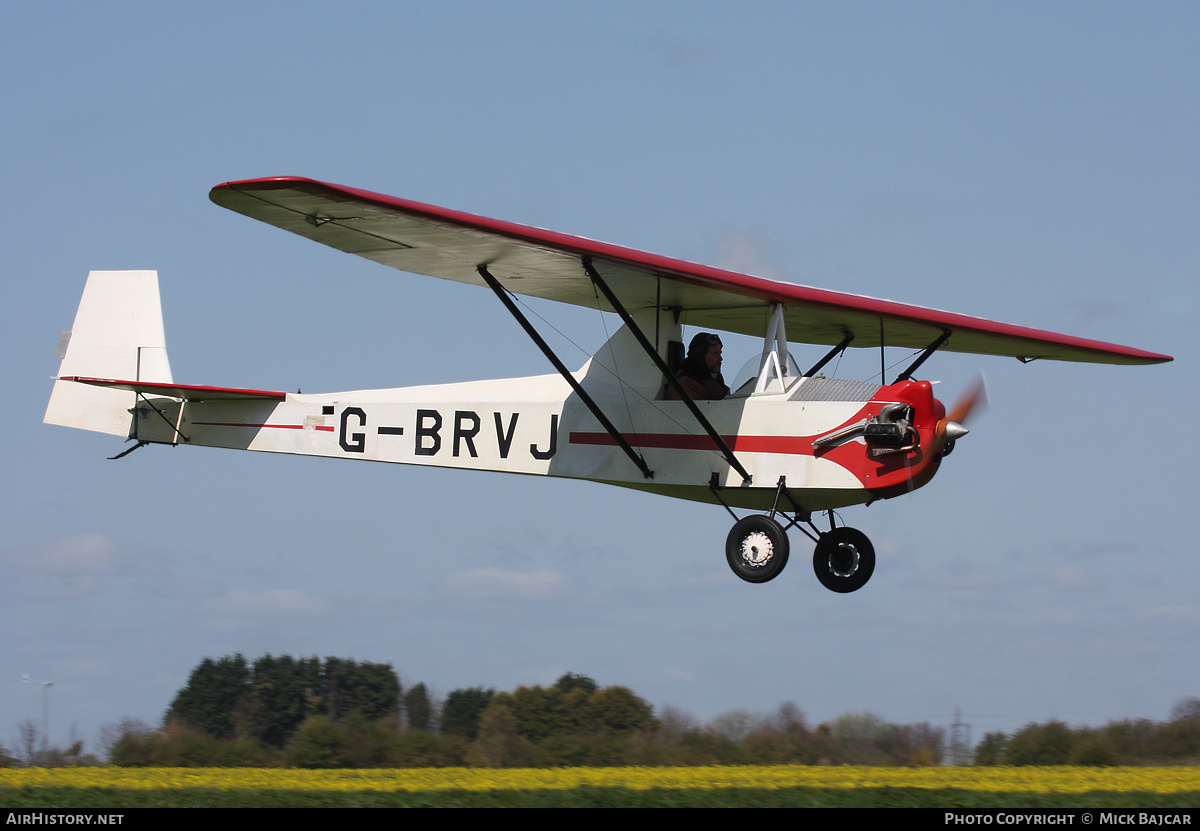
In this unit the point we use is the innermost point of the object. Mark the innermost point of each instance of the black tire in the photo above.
(844, 560)
(757, 548)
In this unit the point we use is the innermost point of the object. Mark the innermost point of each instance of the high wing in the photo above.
(425, 239)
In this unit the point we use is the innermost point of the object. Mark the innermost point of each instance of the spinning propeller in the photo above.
(952, 427)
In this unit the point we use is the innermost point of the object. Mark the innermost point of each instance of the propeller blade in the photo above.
(952, 427)
(974, 398)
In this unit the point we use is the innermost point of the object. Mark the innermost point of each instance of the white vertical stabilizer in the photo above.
(118, 335)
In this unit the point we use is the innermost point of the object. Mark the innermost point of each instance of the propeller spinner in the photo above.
(952, 427)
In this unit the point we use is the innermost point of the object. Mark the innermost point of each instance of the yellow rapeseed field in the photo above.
(996, 779)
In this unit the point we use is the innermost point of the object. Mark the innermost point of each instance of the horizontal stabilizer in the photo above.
(187, 392)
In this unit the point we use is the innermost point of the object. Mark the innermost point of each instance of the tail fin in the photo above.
(118, 334)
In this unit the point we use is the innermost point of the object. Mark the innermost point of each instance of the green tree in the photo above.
(371, 689)
(990, 750)
(781, 738)
(499, 744)
(1091, 747)
(572, 681)
(319, 743)
(215, 696)
(540, 712)
(1133, 741)
(177, 745)
(620, 710)
(735, 724)
(1186, 709)
(1179, 739)
(376, 691)
(788, 718)
(462, 710)
(917, 744)
(282, 697)
(420, 748)
(271, 699)
(705, 747)
(127, 743)
(1040, 744)
(856, 739)
(417, 708)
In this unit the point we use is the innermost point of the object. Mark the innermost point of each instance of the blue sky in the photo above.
(1026, 163)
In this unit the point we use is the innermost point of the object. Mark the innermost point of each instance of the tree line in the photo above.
(309, 712)
(1135, 742)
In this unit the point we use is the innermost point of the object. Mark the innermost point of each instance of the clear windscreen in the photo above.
(743, 382)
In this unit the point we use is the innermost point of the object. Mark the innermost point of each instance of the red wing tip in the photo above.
(281, 181)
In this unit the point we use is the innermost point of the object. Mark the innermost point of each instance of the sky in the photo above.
(1024, 162)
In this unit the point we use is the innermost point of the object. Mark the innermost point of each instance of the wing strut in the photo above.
(776, 331)
(929, 350)
(495, 286)
(829, 356)
(670, 376)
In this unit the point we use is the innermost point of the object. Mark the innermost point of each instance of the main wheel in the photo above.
(757, 548)
(844, 559)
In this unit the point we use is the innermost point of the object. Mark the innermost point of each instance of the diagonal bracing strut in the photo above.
(722, 446)
(929, 350)
(495, 286)
(829, 356)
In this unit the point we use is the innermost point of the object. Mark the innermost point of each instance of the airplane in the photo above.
(786, 445)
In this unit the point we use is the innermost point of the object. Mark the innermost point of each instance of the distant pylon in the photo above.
(960, 740)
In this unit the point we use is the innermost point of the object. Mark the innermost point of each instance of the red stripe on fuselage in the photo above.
(795, 445)
(243, 424)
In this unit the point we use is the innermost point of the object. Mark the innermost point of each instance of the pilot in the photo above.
(700, 373)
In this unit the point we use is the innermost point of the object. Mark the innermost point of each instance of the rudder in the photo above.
(118, 334)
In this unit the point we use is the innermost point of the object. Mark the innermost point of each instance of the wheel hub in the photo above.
(843, 560)
(757, 549)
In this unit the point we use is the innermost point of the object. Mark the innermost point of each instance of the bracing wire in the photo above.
(687, 428)
(616, 370)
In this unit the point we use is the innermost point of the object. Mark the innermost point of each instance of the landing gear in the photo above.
(757, 548)
(844, 559)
